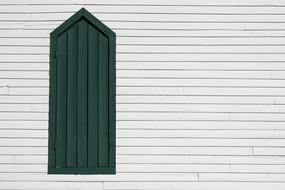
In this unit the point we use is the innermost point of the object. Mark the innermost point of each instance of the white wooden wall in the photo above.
(200, 94)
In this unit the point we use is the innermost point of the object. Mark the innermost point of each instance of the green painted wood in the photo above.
(82, 94)
(82, 97)
(82, 170)
(93, 52)
(112, 101)
(60, 143)
(72, 97)
(52, 103)
(103, 101)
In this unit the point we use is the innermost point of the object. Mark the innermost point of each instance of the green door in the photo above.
(82, 97)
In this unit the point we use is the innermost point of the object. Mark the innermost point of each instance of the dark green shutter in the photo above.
(82, 97)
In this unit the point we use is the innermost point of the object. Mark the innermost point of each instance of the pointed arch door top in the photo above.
(79, 15)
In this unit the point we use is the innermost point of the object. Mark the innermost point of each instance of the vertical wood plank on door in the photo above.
(72, 97)
(112, 101)
(61, 101)
(82, 94)
(93, 96)
(52, 104)
(103, 101)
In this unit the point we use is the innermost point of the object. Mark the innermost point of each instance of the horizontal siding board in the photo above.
(149, 2)
(53, 185)
(148, 133)
(200, 108)
(201, 125)
(130, 25)
(203, 142)
(172, 99)
(36, 107)
(206, 91)
(23, 66)
(241, 177)
(200, 116)
(198, 33)
(110, 16)
(37, 125)
(245, 151)
(192, 49)
(200, 82)
(25, 82)
(201, 65)
(188, 74)
(141, 8)
(196, 185)
(200, 159)
(119, 177)
(159, 177)
(195, 57)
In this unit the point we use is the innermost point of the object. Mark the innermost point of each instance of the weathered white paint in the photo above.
(200, 94)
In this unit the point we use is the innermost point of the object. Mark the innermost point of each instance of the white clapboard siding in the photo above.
(51, 185)
(200, 94)
(187, 74)
(202, 65)
(201, 125)
(189, 18)
(217, 185)
(141, 8)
